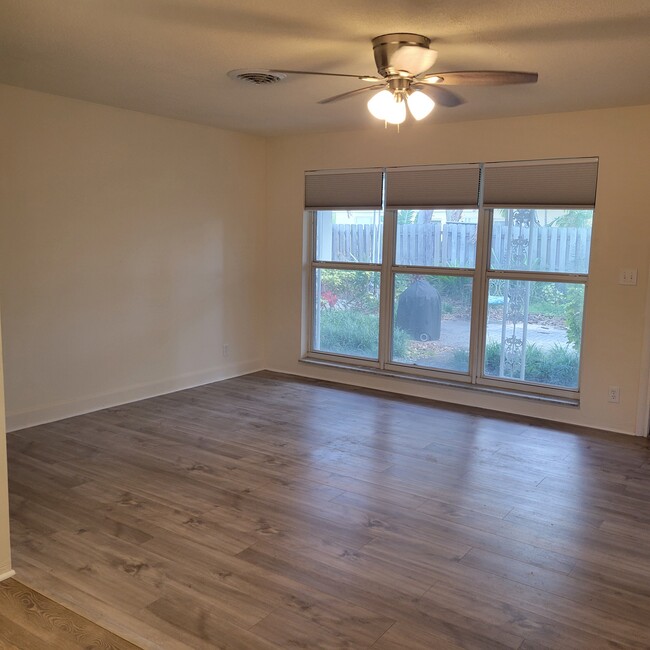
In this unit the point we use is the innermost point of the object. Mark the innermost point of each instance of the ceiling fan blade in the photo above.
(439, 95)
(480, 78)
(330, 74)
(351, 93)
(413, 59)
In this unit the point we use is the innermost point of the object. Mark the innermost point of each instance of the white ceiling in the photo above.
(170, 57)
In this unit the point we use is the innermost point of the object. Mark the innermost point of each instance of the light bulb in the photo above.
(396, 113)
(420, 104)
(379, 104)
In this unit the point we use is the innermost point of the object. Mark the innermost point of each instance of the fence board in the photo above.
(550, 248)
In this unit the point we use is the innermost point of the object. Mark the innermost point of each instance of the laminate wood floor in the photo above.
(30, 621)
(273, 512)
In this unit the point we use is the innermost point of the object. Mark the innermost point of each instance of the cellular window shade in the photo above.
(358, 190)
(556, 184)
(432, 186)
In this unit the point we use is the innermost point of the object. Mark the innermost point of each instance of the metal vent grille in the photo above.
(257, 77)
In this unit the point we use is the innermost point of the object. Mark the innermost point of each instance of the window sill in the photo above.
(501, 392)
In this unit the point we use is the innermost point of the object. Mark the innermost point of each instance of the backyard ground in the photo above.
(454, 337)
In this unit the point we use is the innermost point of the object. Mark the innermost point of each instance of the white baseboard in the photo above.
(88, 404)
(7, 574)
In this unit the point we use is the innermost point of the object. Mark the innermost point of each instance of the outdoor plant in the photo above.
(562, 365)
(557, 366)
(351, 332)
(573, 315)
(460, 360)
(492, 358)
(352, 289)
(329, 297)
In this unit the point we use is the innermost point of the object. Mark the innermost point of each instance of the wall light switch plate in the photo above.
(627, 276)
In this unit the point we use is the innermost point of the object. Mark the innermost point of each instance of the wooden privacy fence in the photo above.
(356, 242)
(550, 248)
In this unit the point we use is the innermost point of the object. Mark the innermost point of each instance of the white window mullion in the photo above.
(348, 266)
(537, 276)
(433, 270)
(479, 296)
(480, 287)
(386, 301)
(313, 326)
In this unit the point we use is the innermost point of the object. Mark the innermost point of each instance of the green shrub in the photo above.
(492, 358)
(561, 366)
(345, 331)
(558, 366)
(400, 342)
(574, 307)
(537, 367)
(460, 360)
(451, 287)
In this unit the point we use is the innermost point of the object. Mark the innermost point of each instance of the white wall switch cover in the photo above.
(627, 276)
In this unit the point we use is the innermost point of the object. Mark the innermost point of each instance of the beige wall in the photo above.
(5, 552)
(614, 330)
(130, 253)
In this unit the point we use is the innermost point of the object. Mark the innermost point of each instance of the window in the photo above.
(465, 273)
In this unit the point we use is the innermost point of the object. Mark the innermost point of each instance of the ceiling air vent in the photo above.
(257, 77)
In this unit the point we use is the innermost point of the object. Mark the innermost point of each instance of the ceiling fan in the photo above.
(402, 60)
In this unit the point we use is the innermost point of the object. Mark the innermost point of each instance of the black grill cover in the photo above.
(418, 311)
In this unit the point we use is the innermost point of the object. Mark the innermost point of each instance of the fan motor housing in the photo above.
(385, 46)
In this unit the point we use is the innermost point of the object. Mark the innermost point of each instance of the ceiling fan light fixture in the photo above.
(420, 104)
(387, 106)
(403, 61)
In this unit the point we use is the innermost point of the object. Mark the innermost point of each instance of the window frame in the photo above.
(529, 276)
(480, 275)
(315, 265)
(390, 221)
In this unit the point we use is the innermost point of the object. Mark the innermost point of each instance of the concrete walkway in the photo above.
(455, 333)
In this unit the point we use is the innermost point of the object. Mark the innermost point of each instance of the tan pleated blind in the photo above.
(350, 189)
(443, 186)
(545, 184)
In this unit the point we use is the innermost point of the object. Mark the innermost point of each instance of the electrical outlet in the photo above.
(226, 350)
(627, 276)
(614, 395)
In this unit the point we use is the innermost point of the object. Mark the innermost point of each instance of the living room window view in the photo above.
(468, 273)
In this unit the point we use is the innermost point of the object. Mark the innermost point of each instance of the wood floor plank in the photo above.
(289, 629)
(31, 621)
(343, 578)
(606, 601)
(417, 637)
(269, 511)
(536, 614)
(204, 626)
(277, 589)
(18, 637)
(121, 621)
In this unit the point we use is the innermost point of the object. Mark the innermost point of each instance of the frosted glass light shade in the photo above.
(388, 107)
(420, 104)
(396, 112)
(379, 104)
